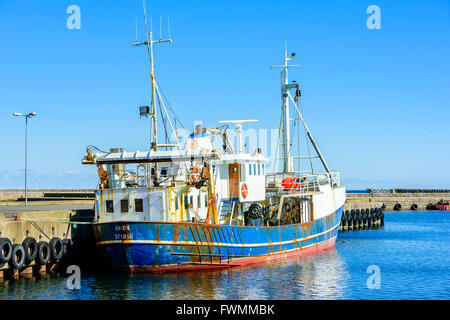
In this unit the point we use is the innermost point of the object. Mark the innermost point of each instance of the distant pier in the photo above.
(400, 199)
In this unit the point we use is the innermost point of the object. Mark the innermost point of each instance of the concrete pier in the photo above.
(399, 201)
(15, 194)
(68, 225)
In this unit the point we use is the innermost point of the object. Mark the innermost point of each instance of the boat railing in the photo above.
(301, 182)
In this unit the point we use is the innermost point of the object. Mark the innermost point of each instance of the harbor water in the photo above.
(408, 259)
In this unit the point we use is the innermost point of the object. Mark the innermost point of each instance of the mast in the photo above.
(153, 103)
(285, 97)
(285, 127)
(149, 44)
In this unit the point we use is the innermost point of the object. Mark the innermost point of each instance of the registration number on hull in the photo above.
(122, 233)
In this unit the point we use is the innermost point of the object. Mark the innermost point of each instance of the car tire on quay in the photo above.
(17, 259)
(44, 253)
(56, 249)
(31, 249)
(5, 251)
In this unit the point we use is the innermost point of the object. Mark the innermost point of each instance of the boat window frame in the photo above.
(166, 170)
(108, 208)
(136, 206)
(122, 201)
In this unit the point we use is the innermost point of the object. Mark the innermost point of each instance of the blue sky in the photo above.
(377, 101)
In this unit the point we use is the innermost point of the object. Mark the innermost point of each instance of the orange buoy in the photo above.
(195, 174)
(244, 190)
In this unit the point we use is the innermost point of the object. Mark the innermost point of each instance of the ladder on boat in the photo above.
(204, 236)
(226, 209)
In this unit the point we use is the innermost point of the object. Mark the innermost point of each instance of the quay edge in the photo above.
(394, 201)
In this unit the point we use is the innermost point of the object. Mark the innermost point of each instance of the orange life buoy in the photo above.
(244, 190)
(195, 174)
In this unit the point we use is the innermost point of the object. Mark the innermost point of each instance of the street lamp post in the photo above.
(29, 115)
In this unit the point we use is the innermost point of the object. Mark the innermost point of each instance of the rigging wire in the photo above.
(306, 137)
(278, 144)
(164, 121)
(92, 147)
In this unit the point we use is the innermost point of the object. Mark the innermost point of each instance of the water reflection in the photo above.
(319, 276)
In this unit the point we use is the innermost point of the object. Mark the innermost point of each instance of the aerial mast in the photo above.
(285, 97)
(285, 128)
(149, 43)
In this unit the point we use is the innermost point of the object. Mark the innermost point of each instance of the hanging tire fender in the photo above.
(44, 253)
(5, 250)
(17, 259)
(31, 249)
(56, 249)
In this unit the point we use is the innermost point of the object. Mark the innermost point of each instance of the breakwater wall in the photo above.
(15, 194)
(413, 199)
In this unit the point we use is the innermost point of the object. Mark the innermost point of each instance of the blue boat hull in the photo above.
(181, 246)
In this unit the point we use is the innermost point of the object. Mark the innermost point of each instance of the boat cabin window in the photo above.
(109, 204)
(186, 203)
(249, 169)
(124, 205)
(254, 168)
(259, 169)
(138, 205)
(199, 200)
(164, 172)
(206, 200)
(176, 203)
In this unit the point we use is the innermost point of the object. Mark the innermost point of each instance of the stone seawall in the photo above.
(14, 194)
(405, 200)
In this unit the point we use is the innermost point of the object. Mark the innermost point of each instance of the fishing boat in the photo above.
(211, 203)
